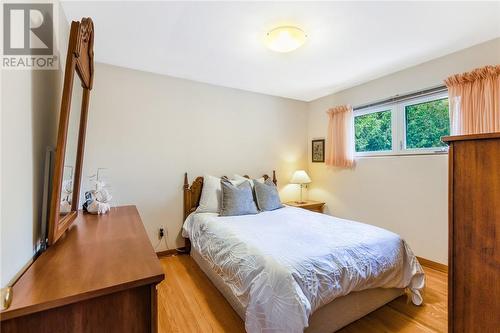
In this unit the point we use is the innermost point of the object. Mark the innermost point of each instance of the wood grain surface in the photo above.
(98, 255)
(188, 302)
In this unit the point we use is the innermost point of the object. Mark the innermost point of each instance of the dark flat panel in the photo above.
(124, 311)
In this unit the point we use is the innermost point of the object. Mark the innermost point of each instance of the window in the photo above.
(373, 131)
(414, 126)
(426, 123)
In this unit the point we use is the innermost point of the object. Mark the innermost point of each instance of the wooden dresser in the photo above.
(101, 276)
(474, 233)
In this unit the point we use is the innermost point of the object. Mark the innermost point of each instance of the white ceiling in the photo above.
(222, 42)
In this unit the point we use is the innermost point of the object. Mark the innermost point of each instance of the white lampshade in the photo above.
(300, 177)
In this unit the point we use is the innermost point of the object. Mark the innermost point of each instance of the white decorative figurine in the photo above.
(97, 201)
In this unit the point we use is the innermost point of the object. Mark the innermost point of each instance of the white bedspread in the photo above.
(285, 264)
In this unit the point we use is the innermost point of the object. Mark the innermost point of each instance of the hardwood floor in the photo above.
(189, 302)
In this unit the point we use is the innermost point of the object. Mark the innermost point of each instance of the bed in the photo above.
(292, 270)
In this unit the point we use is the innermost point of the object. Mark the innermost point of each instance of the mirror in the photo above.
(78, 76)
(71, 149)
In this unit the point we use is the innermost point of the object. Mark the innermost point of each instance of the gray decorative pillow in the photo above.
(237, 200)
(267, 195)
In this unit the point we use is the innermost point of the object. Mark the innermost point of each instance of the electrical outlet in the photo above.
(161, 233)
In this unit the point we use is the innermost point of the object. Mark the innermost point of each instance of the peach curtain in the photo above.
(475, 101)
(340, 137)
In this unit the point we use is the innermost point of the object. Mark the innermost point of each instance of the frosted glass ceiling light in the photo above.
(285, 39)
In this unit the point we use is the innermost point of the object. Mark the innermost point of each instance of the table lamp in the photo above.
(300, 177)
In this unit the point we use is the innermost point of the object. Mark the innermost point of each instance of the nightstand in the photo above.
(313, 206)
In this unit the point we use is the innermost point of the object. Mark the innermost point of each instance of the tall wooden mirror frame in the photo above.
(79, 59)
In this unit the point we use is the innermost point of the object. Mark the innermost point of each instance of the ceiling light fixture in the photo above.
(285, 39)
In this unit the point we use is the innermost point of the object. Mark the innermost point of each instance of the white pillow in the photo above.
(210, 199)
(241, 179)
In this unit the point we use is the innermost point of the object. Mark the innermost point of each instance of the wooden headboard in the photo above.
(192, 193)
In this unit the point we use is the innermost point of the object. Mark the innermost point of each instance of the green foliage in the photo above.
(373, 131)
(426, 123)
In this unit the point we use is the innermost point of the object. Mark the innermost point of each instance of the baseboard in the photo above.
(166, 253)
(432, 264)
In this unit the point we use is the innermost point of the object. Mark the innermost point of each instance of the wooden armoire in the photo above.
(474, 233)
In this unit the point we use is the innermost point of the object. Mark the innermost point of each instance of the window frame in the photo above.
(402, 139)
(398, 119)
(375, 109)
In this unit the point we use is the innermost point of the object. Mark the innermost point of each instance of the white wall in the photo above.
(30, 111)
(407, 195)
(149, 129)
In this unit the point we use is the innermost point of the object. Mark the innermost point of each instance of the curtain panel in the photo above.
(475, 101)
(340, 137)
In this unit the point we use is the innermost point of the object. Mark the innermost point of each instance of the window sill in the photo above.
(403, 154)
